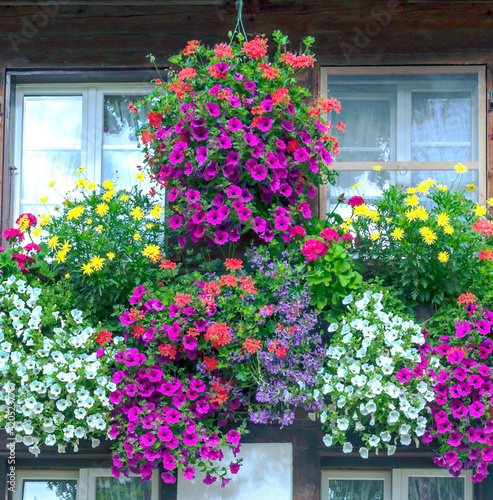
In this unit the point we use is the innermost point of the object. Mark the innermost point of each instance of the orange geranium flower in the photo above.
(466, 298)
(233, 264)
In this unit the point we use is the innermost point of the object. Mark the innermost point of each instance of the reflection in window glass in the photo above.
(121, 155)
(439, 488)
(61, 489)
(124, 488)
(355, 489)
(51, 148)
(441, 126)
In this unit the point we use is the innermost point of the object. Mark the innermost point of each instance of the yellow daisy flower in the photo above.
(51, 183)
(81, 169)
(361, 211)
(374, 215)
(66, 246)
(91, 186)
(157, 211)
(110, 255)
(124, 197)
(97, 262)
(428, 235)
(397, 233)
(490, 202)
(448, 230)
(152, 252)
(375, 236)
(44, 199)
(87, 269)
(355, 186)
(442, 219)
(471, 188)
(81, 182)
(102, 209)
(149, 225)
(67, 276)
(421, 213)
(137, 213)
(443, 257)
(108, 195)
(61, 256)
(137, 237)
(75, 213)
(442, 187)
(36, 232)
(377, 168)
(53, 242)
(460, 169)
(44, 220)
(140, 176)
(89, 222)
(108, 185)
(411, 201)
(411, 214)
(480, 210)
(99, 228)
(411, 190)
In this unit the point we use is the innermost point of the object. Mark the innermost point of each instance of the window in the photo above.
(61, 127)
(82, 484)
(416, 122)
(398, 484)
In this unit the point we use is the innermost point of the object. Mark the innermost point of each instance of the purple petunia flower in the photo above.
(265, 124)
(175, 221)
(221, 237)
(286, 125)
(213, 109)
(200, 133)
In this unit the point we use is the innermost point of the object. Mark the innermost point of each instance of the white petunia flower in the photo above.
(347, 448)
(327, 439)
(363, 452)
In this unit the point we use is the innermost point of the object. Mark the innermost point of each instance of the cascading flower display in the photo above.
(236, 146)
(462, 421)
(374, 381)
(56, 383)
(205, 351)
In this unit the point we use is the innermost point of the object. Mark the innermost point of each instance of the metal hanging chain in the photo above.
(239, 21)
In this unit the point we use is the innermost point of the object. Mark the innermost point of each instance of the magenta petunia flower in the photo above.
(244, 213)
(250, 139)
(259, 172)
(476, 409)
(202, 154)
(265, 124)
(209, 479)
(213, 109)
(234, 124)
(200, 133)
(233, 191)
(189, 473)
(301, 155)
(169, 462)
(147, 439)
(233, 437)
(281, 223)
(249, 85)
(404, 375)
(234, 467)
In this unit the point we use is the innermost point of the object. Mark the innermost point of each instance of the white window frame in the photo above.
(400, 480)
(86, 480)
(22, 475)
(358, 475)
(92, 120)
(478, 129)
(396, 481)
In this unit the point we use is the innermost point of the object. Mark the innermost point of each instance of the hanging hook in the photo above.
(239, 21)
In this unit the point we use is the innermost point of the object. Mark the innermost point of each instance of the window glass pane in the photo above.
(41, 167)
(369, 184)
(407, 117)
(110, 488)
(436, 488)
(441, 126)
(355, 489)
(121, 155)
(367, 136)
(51, 147)
(52, 122)
(59, 489)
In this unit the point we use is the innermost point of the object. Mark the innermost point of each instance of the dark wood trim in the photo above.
(5, 172)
